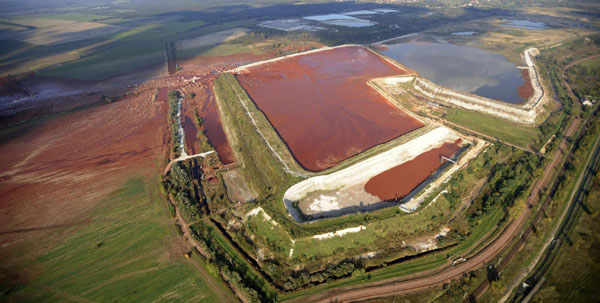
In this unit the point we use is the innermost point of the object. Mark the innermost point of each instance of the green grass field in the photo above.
(505, 131)
(122, 255)
(76, 17)
(593, 63)
(273, 235)
(427, 262)
(128, 51)
(219, 50)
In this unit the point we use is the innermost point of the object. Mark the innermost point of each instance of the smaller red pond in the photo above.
(525, 91)
(397, 182)
(215, 133)
(204, 102)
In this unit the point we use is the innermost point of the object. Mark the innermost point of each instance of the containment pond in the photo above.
(461, 68)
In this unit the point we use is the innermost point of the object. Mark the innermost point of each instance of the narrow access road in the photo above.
(562, 148)
(183, 157)
(400, 285)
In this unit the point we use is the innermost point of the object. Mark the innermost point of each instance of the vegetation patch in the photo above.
(126, 244)
(502, 130)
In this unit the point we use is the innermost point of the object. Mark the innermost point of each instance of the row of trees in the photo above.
(508, 183)
(186, 193)
(173, 101)
(304, 279)
(233, 267)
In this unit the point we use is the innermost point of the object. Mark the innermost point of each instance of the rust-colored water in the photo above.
(322, 107)
(204, 103)
(525, 91)
(216, 135)
(399, 181)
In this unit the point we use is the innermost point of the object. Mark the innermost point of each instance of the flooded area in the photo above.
(215, 133)
(397, 182)
(525, 24)
(190, 131)
(321, 105)
(466, 33)
(212, 128)
(162, 95)
(461, 68)
(526, 90)
(341, 20)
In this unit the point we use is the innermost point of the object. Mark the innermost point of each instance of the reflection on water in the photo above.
(526, 24)
(466, 69)
(467, 33)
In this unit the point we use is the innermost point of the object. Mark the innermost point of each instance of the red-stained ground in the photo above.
(525, 91)
(52, 172)
(399, 181)
(162, 95)
(322, 107)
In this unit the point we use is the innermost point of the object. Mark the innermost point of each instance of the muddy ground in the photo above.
(56, 169)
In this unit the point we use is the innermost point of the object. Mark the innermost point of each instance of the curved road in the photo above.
(399, 285)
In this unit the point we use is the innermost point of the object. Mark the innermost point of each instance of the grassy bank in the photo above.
(504, 131)
(261, 168)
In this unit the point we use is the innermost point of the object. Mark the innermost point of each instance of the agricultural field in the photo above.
(102, 232)
(57, 31)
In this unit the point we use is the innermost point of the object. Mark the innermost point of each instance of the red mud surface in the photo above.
(399, 181)
(55, 170)
(322, 107)
(526, 90)
(162, 95)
